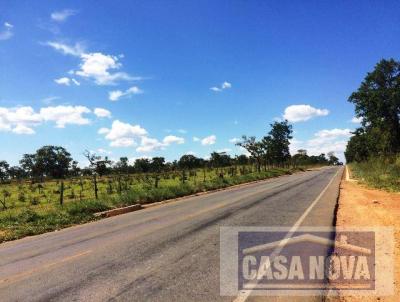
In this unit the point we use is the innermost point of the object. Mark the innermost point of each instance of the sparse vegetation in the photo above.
(379, 172)
(50, 191)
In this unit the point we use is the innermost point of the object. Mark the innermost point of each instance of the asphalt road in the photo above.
(164, 253)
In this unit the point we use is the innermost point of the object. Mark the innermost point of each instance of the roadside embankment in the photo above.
(360, 206)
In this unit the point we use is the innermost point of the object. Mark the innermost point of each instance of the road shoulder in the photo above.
(360, 206)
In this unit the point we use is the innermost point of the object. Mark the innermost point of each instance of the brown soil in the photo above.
(364, 207)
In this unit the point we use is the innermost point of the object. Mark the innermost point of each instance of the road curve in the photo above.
(169, 252)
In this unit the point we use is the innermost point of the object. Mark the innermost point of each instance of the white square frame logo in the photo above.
(383, 248)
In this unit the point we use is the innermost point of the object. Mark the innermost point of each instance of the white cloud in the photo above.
(149, 144)
(183, 131)
(356, 120)
(209, 140)
(117, 94)
(21, 120)
(101, 112)
(103, 131)
(63, 15)
(96, 66)
(63, 115)
(234, 140)
(122, 134)
(333, 133)
(63, 81)
(7, 31)
(196, 139)
(123, 142)
(300, 113)
(170, 139)
(216, 89)
(224, 85)
(76, 50)
(49, 100)
(22, 129)
(190, 153)
(75, 82)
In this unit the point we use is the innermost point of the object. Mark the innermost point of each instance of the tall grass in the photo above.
(379, 172)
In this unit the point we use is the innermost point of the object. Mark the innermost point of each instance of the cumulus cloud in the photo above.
(117, 94)
(122, 134)
(103, 130)
(98, 66)
(125, 135)
(223, 86)
(301, 113)
(22, 120)
(63, 81)
(63, 15)
(101, 112)
(170, 139)
(7, 31)
(234, 140)
(22, 129)
(101, 68)
(149, 145)
(63, 115)
(209, 140)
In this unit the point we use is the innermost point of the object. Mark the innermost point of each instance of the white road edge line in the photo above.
(243, 295)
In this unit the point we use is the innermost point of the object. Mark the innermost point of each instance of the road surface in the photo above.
(164, 253)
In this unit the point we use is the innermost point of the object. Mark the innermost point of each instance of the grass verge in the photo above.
(21, 222)
(379, 172)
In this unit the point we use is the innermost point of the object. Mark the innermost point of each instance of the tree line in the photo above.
(272, 150)
(377, 105)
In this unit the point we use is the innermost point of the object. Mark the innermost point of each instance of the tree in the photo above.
(332, 159)
(358, 147)
(189, 162)
(142, 165)
(157, 164)
(122, 166)
(28, 164)
(16, 172)
(220, 159)
(4, 170)
(52, 161)
(377, 102)
(254, 148)
(278, 140)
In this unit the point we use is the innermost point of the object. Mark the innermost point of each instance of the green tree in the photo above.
(277, 142)
(255, 149)
(4, 170)
(377, 102)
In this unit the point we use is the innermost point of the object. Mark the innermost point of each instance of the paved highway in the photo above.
(164, 253)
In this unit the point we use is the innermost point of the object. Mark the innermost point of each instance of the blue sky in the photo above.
(168, 78)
